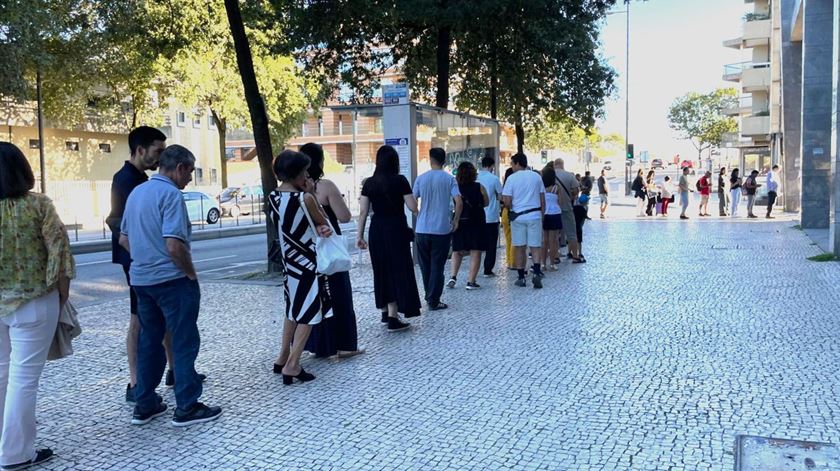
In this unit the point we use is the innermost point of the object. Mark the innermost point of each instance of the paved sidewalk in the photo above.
(653, 356)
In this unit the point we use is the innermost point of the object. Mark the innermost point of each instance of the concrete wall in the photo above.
(791, 60)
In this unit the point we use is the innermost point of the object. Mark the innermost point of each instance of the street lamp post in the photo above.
(627, 161)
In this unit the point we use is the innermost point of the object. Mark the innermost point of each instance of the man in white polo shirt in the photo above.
(524, 195)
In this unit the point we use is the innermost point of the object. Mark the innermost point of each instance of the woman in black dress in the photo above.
(336, 336)
(469, 237)
(639, 193)
(394, 284)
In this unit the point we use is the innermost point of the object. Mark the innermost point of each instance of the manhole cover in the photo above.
(777, 454)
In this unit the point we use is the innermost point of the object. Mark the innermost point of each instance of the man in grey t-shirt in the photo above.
(684, 190)
(569, 190)
(156, 231)
(435, 224)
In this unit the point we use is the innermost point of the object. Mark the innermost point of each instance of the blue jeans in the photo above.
(172, 305)
(432, 252)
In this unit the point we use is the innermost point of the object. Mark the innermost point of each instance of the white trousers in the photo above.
(25, 338)
(736, 200)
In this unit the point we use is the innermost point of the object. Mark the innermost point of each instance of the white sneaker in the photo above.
(451, 283)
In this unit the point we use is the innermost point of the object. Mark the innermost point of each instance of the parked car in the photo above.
(201, 207)
(241, 200)
(608, 165)
(656, 163)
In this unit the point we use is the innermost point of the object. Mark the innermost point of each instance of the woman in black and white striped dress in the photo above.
(305, 291)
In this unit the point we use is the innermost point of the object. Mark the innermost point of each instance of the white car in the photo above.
(608, 164)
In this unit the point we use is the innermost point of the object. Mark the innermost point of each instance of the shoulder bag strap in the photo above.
(309, 217)
(564, 187)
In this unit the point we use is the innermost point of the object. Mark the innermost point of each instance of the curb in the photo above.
(79, 248)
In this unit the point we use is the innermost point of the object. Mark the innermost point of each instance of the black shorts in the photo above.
(132, 295)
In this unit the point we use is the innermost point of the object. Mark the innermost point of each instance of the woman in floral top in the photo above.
(35, 271)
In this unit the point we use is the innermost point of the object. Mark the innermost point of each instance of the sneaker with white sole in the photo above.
(41, 456)
(144, 418)
(451, 283)
(472, 286)
(199, 414)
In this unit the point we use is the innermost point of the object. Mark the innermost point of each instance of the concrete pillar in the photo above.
(817, 45)
(791, 52)
(834, 211)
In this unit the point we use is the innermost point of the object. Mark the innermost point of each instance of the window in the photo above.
(213, 176)
(210, 123)
(34, 143)
(181, 118)
(199, 175)
(197, 121)
(72, 145)
(105, 148)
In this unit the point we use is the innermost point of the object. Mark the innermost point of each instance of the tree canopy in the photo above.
(698, 117)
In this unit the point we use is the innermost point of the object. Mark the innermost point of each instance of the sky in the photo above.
(676, 47)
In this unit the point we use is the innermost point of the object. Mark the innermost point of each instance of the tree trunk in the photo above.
(520, 131)
(221, 127)
(256, 107)
(444, 44)
(494, 86)
(41, 159)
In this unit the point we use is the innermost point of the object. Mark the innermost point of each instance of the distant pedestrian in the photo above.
(336, 335)
(665, 195)
(568, 194)
(751, 188)
(156, 232)
(580, 210)
(735, 183)
(773, 184)
(723, 194)
(524, 194)
(553, 219)
(435, 189)
(651, 192)
(603, 192)
(705, 186)
(493, 188)
(470, 235)
(684, 190)
(387, 194)
(36, 267)
(145, 144)
(639, 193)
(586, 183)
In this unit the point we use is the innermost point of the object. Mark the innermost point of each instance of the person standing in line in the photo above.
(773, 179)
(145, 144)
(603, 193)
(156, 231)
(435, 189)
(751, 188)
(639, 193)
(665, 195)
(470, 236)
(569, 191)
(684, 191)
(735, 183)
(36, 267)
(337, 335)
(586, 183)
(705, 185)
(553, 219)
(506, 224)
(524, 194)
(723, 195)
(651, 191)
(387, 194)
(493, 189)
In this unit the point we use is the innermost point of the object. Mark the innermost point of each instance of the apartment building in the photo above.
(759, 81)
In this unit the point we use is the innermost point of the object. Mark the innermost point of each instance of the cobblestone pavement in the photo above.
(653, 356)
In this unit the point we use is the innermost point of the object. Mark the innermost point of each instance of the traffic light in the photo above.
(630, 152)
(544, 156)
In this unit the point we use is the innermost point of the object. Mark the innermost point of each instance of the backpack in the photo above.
(697, 184)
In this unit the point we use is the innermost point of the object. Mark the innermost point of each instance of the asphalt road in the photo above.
(98, 280)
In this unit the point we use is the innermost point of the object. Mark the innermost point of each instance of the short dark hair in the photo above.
(16, 177)
(587, 173)
(290, 164)
(508, 172)
(144, 136)
(487, 162)
(438, 155)
(776, 167)
(466, 173)
(549, 175)
(174, 156)
(754, 173)
(316, 159)
(387, 161)
(519, 159)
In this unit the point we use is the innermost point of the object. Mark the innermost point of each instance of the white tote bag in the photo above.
(331, 252)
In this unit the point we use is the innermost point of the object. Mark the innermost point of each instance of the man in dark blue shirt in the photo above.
(146, 144)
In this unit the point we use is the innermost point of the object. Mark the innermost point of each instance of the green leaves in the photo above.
(698, 117)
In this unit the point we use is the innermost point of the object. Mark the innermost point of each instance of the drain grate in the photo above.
(778, 454)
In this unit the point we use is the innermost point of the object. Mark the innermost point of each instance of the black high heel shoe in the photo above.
(278, 369)
(303, 377)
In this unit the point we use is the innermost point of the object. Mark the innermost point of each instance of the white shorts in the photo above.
(526, 233)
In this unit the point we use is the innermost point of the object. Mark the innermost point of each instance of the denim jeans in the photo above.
(771, 200)
(172, 305)
(432, 252)
(491, 231)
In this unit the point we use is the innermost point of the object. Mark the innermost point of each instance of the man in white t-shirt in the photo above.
(524, 195)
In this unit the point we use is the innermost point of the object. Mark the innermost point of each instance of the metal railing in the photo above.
(739, 67)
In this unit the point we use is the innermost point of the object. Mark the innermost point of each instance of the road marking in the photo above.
(92, 263)
(235, 265)
(214, 258)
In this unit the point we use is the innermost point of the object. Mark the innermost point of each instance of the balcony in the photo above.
(753, 126)
(742, 107)
(754, 76)
(756, 31)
